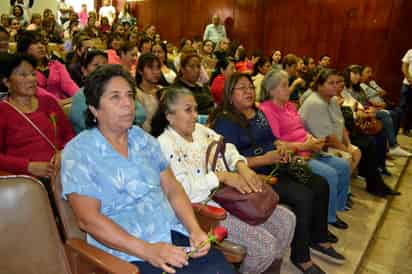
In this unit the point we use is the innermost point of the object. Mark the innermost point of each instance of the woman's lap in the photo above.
(213, 262)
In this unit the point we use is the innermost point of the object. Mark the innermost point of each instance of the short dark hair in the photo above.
(289, 60)
(146, 59)
(88, 56)
(346, 74)
(260, 63)
(323, 76)
(27, 38)
(11, 61)
(125, 48)
(143, 41)
(95, 85)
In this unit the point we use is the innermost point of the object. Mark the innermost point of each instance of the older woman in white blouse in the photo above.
(184, 143)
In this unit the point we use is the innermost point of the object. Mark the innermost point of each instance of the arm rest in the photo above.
(234, 253)
(4, 173)
(101, 259)
(208, 216)
(207, 211)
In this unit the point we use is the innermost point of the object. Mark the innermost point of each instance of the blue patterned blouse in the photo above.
(129, 189)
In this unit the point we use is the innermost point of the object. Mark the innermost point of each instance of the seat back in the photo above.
(68, 220)
(29, 239)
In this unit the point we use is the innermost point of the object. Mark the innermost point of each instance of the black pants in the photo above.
(369, 162)
(310, 205)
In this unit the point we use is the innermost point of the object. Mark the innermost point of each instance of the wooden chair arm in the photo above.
(234, 253)
(100, 259)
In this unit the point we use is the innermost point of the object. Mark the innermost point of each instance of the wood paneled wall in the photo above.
(373, 32)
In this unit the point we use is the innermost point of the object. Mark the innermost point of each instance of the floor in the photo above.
(379, 240)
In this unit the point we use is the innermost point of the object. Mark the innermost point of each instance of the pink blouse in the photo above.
(285, 122)
(58, 82)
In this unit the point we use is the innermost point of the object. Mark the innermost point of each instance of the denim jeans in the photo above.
(337, 173)
(388, 126)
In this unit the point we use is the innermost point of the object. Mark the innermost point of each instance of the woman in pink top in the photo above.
(288, 127)
(51, 74)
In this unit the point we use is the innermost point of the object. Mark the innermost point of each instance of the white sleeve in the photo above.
(195, 182)
(407, 57)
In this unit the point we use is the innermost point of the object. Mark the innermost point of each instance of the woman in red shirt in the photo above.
(23, 150)
(225, 67)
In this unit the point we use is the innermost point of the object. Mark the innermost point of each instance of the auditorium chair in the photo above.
(30, 241)
(71, 232)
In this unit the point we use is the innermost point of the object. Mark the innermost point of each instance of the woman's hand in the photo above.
(252, 179)
(41, 169)
(314, 144)
(273, 156)
(234, 180)
(196, 239)
(166, 256)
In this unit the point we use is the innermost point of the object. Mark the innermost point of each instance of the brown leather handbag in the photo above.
(253, 208)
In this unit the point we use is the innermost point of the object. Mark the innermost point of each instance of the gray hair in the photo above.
(271, 81)
(169, 97)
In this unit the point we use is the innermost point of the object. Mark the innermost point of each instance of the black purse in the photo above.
(297, 168)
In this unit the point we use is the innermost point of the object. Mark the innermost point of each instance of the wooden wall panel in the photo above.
(374, 32)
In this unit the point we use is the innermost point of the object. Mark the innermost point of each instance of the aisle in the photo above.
(364, 219)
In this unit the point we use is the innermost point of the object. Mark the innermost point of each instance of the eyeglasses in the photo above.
(245, 88)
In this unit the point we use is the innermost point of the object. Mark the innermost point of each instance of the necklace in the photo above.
(25, 108)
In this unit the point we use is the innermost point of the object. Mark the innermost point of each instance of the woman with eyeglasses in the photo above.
(245, 126)
(51, 74)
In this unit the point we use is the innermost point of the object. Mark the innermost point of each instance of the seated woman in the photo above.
(208, 58)
(379, 97)
(184, 142)
(246, 127)
(122, 189)
(147, 81)
(353, 89)
(89, 61)
(369, 162)
(188, 76)
(225, 67)
(260, 68)
(167, 70)
(51, 74)
(288, 127)
(23, 149)
(277, 59)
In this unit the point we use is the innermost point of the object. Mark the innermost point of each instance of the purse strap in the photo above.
(220, 149)
(33, 125)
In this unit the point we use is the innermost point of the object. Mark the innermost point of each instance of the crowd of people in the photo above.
(143, 112)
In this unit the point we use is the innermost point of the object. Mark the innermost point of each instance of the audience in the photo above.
(246, 127)
(51, 74)
(287, 114)
(180, 136)
(167, 70)
(288, 127)
(147, 81)
(188, 78)
(109, 207)
(36, 128)
(224, 69)
(260, 69)
(215, 32)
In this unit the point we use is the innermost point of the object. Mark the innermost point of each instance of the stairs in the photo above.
(365, 217)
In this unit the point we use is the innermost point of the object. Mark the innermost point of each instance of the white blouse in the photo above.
(188, 160)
